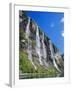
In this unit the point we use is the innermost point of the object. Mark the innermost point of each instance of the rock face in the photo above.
(37, 45)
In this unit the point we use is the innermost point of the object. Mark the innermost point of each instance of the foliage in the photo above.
(33, 42)
(25, 64)
(27, 67)
(21, 34)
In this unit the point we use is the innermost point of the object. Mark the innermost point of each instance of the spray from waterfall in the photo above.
(38, 45)
(52, 56)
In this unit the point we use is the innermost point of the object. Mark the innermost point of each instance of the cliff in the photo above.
(38, 56)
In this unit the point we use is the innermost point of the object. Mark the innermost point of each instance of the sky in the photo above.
(52, 24)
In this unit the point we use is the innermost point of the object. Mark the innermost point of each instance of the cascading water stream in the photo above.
(38, 45)
(27, 37)
(44, 53)
(52, 56)
(44, 49)
(29, 49)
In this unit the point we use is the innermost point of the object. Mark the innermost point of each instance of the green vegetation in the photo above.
(25, 64)
(33, 42)
(22, 34)
(28, 70)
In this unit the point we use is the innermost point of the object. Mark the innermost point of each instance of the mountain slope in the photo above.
(39, 57)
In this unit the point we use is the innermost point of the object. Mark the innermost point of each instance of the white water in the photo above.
(29, 50)
(27, 29)
(38, 49)
(44, 48)
(27, 37)
(44, 53)
(52, 55)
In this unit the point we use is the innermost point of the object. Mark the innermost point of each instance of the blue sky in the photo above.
(52, 23)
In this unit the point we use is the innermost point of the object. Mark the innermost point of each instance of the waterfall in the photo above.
(52, 55)
(44, 53)
(29, 49)
(27, 29)
(38, 49)
(44, 48)
(29, 43)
